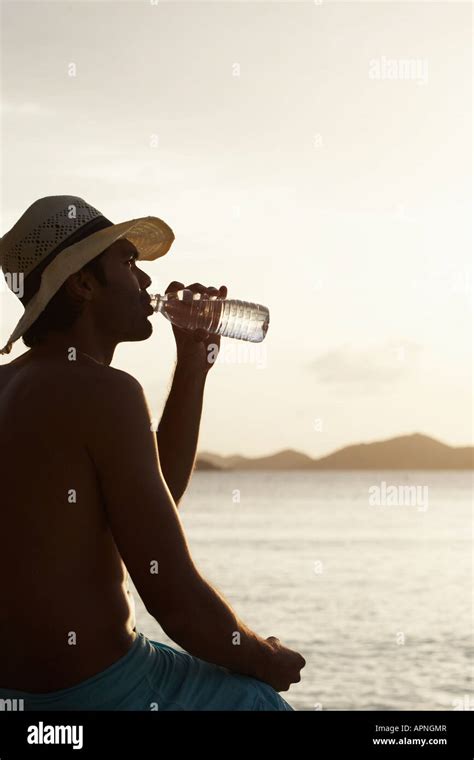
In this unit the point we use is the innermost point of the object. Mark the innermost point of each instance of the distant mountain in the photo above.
(205, 464)
(407, 452)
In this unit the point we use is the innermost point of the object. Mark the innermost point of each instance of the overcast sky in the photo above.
(313, 157)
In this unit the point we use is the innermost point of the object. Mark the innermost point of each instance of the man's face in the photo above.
(122, 309)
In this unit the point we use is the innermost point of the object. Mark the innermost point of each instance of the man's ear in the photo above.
(80, 285)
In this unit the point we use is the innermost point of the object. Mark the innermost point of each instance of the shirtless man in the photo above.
(90, 491)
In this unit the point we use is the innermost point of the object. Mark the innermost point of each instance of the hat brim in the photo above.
(151, 236)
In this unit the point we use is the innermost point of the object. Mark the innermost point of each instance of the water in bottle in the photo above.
(228, 317)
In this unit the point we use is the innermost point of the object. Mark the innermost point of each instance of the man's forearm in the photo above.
(208, 628)
(178, 431)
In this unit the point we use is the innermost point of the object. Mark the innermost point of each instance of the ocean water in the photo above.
(376, 596)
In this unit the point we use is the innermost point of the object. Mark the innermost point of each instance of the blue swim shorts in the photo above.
(154, 676)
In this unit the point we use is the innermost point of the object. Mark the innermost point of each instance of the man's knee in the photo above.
(269, 699)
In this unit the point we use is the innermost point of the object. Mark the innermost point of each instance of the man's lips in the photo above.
(147, 305)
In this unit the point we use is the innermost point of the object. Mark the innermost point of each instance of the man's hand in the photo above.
(282, 667)
(194, 346)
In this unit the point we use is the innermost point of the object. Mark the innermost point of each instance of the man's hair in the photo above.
(62, 311)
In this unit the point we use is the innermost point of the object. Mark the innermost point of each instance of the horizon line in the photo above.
(333, 451)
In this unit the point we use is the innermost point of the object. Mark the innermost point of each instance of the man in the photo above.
(90, 491)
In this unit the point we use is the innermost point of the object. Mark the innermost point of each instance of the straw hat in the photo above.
(56, 236)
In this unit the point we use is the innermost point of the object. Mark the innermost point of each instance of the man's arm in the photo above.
(178, 431)
(149, 536)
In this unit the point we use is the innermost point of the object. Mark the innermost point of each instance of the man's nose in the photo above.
(144, 280)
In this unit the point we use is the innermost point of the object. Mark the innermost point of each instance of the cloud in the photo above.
(371, 367)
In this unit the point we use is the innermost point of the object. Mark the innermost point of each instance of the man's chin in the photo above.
(142, 333)
(148, 329)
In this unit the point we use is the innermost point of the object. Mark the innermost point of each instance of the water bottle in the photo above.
(201, 311)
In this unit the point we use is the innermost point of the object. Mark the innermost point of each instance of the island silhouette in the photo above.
(406, 452)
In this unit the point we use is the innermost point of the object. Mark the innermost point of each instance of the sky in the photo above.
(315, 157)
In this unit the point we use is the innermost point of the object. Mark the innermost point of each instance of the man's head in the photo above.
(74, 272)
(107, 296)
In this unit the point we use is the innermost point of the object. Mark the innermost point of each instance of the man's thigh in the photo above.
(183, 682)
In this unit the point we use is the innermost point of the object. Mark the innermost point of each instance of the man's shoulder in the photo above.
(50, 378)
(105, 397)
(99, 380)
(109, 375)
(84, 383)
(114, 412)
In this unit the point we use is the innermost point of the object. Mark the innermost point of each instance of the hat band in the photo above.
(32, 281)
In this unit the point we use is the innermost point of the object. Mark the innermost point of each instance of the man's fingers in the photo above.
(173, 286)
(196, 287)
(200, 335)
(219, 292)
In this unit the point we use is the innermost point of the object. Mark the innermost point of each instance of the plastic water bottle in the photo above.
(201, 311)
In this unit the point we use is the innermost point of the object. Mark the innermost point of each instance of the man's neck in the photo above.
(63, 346)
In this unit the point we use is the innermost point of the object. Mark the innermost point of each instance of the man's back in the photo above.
(65, 613)
(84, 502)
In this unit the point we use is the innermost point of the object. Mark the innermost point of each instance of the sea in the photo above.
(367, 574)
